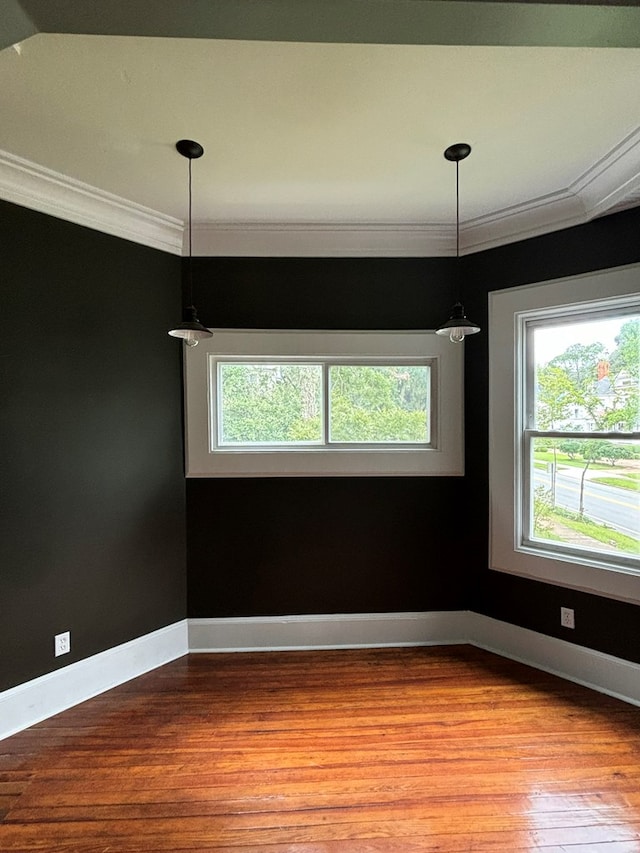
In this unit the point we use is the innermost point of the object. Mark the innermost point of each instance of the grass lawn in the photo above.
(563, 460)
(622, 482)
(599, 532)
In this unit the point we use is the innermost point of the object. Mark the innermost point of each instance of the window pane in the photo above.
(588, 375)
(379, 404)
(269, 403)
(586, 494)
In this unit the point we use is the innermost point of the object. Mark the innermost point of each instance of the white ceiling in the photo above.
(319, 148)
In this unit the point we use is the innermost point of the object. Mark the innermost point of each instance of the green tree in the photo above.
(615, 451)
(555, 394)
(624, 366)
(270, 403)
(571, 446)
(626, 356)
(579, 362)
(592, 450)
(281, 403)
(374, 404)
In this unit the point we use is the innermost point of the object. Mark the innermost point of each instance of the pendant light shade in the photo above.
(190, 329)
(457, 326)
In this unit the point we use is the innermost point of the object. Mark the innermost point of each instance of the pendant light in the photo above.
(457, 326)
(190, 330)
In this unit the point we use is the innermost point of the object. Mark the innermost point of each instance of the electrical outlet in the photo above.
(62, 643)
(567, 619)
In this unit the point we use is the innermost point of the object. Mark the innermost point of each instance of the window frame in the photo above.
(443, 456)
(216, 413)
(429, 362)
(528, 322)
(510, 419)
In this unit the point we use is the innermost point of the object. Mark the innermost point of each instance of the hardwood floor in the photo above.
(365, 751)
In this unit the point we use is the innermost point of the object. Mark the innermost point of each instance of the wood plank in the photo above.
(374, 751)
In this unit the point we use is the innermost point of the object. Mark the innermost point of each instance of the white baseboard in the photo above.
(36, 700)
(605, 673)
(333, 631)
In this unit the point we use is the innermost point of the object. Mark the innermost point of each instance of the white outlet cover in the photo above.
(567, 617)
(62, 643)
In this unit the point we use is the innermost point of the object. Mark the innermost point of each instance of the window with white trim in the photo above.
(299, 404)
(284, 403)
(565, 431)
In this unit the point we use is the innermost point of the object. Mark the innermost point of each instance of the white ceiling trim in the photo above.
(339, 239)
(46, 191)
(613, 179)
(610, 183)
(532, 218)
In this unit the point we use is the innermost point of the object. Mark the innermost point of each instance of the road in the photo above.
(618, 508)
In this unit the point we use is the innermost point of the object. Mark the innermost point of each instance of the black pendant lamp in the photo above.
(190, 330)
(457, 326)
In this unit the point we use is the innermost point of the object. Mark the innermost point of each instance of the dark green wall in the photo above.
(93, 509)
(365, 545)
(577, 23)
(296, 545)
(602, 624)
(92, 489)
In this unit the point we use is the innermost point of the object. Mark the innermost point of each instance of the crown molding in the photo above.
(46, 191)
(614, 180)
(611, 184)
(522, 221)
(315, 239)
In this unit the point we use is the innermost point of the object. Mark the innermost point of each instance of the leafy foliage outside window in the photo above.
(378, 404)
(281, 403)
(270, 403)
(602, 387)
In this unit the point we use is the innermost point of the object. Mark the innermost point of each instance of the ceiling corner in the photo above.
(15, 24)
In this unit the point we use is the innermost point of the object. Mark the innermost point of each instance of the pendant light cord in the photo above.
(457, 210)
(190, 250)
(190, 329)
(458, 276)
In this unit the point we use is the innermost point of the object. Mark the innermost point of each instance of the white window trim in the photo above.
(446, 458)
(325, 442)
(505, 310)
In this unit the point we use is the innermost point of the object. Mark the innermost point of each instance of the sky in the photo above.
(554, 340)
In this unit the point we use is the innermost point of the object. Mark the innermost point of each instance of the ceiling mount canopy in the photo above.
(189, 148)
(457, 326)
(458, 151)
(191, 329)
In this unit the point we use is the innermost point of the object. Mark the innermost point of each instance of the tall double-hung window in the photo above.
(565, 425)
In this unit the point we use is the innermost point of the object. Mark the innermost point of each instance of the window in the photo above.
(299, 404)
(565, 431)
(323, 403)
(580, 473)
(269, 404)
